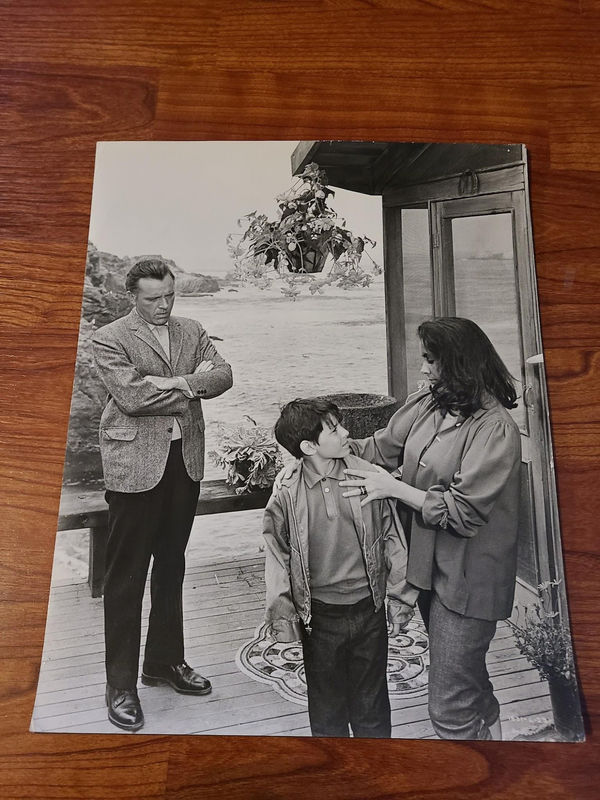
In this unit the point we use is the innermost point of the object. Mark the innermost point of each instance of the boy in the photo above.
(327, 561)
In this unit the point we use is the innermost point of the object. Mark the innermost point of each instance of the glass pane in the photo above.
(418, 299)
(485, 282)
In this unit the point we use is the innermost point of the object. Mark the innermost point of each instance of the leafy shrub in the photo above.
(545, 640)
(249, 454)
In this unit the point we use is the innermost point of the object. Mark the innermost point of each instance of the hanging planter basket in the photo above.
(305, 260)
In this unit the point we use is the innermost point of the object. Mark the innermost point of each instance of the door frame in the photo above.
(541, 485)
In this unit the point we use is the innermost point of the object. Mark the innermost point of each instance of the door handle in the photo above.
(536, 359)
(527, 391)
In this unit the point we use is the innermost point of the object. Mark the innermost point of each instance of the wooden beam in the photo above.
(504, 179)
(88, 509)
(394, 303)
(303, 154)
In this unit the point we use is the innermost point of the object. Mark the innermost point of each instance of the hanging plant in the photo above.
(307, 244)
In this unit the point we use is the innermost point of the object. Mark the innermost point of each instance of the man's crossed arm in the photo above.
(166, 383)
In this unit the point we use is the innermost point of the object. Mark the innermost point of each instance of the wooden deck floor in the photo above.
(224, 604)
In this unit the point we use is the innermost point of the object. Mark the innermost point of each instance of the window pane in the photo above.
(486, 287)
(418, 301)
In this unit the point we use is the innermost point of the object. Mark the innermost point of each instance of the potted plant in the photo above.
(545, 641)
(307, 242)
(249, 454)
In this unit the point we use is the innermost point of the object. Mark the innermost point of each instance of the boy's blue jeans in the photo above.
(345, 660)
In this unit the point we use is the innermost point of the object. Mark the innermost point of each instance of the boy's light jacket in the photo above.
(287, 574)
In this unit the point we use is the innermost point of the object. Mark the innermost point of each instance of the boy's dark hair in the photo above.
(302, 419)
(146, 268)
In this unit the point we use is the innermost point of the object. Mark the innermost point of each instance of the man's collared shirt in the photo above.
(161, 333)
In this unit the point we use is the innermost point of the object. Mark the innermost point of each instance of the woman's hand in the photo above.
(284, 474)
(372, 485)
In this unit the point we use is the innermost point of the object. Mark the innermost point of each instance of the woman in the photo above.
(459, 453)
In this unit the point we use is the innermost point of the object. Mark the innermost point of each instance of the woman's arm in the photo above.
(385, 448)
(489, 463)
(467, 502)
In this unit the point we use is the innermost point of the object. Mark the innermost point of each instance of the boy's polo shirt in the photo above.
(336, 564)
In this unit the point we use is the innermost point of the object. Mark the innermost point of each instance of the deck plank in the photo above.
(223, 604)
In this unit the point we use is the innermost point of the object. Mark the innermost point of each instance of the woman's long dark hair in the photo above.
(470, 367)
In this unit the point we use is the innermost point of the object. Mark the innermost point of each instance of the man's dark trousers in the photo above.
(345, 660)
(154, 523)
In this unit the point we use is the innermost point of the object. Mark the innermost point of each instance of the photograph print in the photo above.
(308, 486)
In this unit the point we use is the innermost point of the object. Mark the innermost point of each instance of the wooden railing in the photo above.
(86, 508)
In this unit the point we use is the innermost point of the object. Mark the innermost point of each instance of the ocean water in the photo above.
(281, 349)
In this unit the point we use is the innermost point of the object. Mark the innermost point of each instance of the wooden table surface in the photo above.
(74, 72)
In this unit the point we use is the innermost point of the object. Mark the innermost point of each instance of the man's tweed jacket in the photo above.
(137, 422)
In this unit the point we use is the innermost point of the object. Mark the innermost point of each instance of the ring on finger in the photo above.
(363, 491)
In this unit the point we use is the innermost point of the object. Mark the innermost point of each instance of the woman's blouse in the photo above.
(464, 542)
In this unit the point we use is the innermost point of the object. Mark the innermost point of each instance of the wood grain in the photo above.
(74, 72)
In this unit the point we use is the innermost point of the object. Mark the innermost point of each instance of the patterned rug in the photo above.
(280, 665)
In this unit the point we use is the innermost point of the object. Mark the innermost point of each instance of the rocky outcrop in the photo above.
(191, 283)
(82, 459)
(104, 295)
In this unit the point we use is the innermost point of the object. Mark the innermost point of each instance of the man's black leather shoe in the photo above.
(124, 709)
(180, 676)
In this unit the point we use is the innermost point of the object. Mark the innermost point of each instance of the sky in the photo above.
(181, 199)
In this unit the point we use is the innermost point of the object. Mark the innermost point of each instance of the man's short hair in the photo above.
(146, 268)
(302, 420)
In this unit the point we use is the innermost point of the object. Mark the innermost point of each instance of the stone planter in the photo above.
(363, 413)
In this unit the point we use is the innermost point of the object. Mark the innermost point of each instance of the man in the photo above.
(157, 369)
